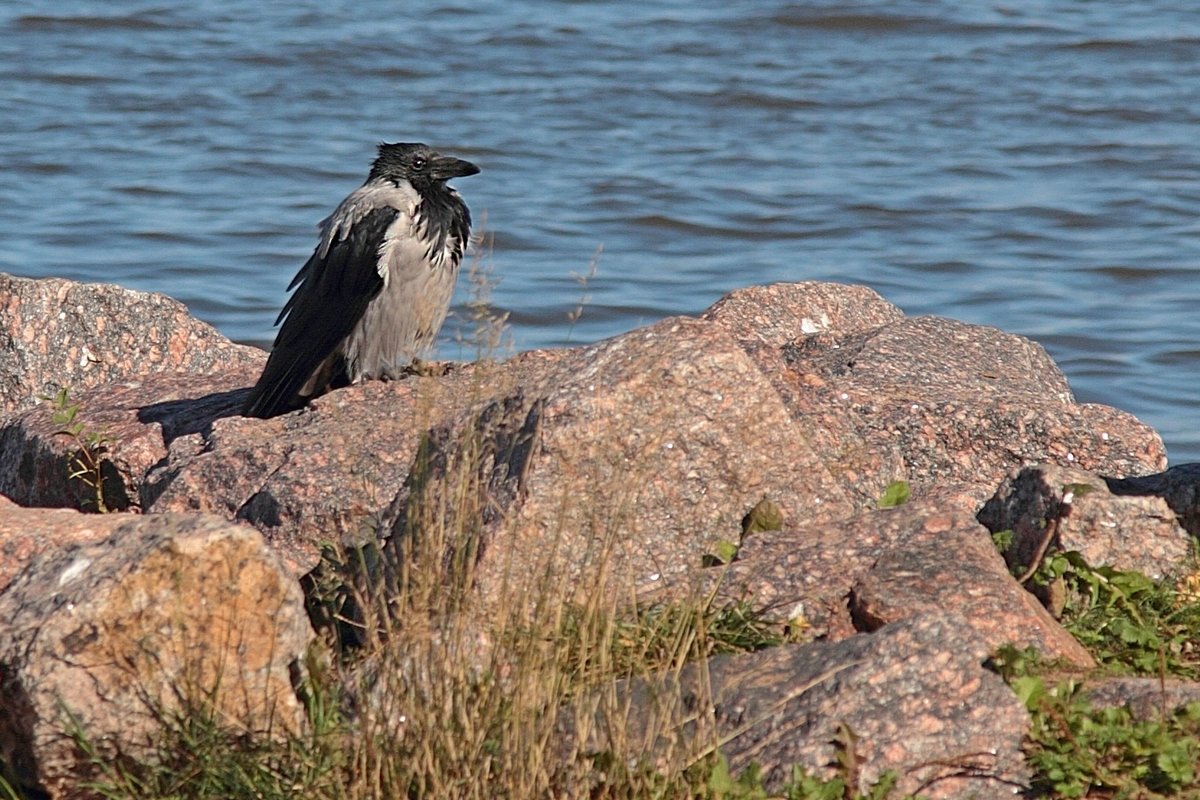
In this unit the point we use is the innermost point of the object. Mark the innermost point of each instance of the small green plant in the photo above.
(896, 494)
(764, 517)
(201, 756)
(724, 552)
(739, 628)
(843, 785)
(661, 637)
(1076, 750)
(91, 446)
(1011, 662)
(1003, 540)
(1130, 623)
(724, 785)
(804, 786)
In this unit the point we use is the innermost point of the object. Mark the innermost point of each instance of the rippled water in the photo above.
(1030, 165)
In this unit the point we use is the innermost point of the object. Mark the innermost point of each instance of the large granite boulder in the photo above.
(56, 334)
(165, 615)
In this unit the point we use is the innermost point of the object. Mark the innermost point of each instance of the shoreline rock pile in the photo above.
(815, 395)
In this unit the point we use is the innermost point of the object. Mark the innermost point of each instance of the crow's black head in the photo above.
(418, 164)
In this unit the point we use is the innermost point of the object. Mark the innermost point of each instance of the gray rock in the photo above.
(1129, 532)
(835, 579)
(121, 633)
(935, 402)
(914, 696)
(56, 333)
(1146, 698)
(137, 421)
(621, 464)
(659, 441)
(955, 567)
(818, 395)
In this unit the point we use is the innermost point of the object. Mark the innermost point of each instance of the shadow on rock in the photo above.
(1179, 486)
(193, 415)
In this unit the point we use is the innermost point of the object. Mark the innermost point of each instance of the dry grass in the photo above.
(423, 689)
(457, 695)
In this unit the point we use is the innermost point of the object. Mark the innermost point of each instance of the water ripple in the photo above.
(122, 22)
(1027, 166)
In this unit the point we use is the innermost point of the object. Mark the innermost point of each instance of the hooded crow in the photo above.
(377, 288)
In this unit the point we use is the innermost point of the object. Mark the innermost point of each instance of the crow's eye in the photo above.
(418, 162)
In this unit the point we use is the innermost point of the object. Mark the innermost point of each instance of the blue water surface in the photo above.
(1032, 165)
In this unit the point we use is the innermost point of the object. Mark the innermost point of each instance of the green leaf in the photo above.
(1079, 489)
(1030, 689)
(1178, 765)
(1003, 540)
(720, 782)
(883, 789)
(765, 516)
(65, 416)
(726, 551)
(896, 494)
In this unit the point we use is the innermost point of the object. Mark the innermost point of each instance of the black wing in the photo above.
(331, 295)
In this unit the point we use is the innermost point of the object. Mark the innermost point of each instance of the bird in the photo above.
(375, 292)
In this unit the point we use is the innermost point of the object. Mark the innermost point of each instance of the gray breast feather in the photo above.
(404, 319)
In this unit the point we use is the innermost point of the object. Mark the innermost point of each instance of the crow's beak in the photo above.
(446, 167)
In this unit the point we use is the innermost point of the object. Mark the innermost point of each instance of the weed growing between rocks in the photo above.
(87, 464)
(201, 755)
(1132, 625)
(1084, 751)
(438, 692)
(896, 494)
(1078, 750)
(523, 689)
